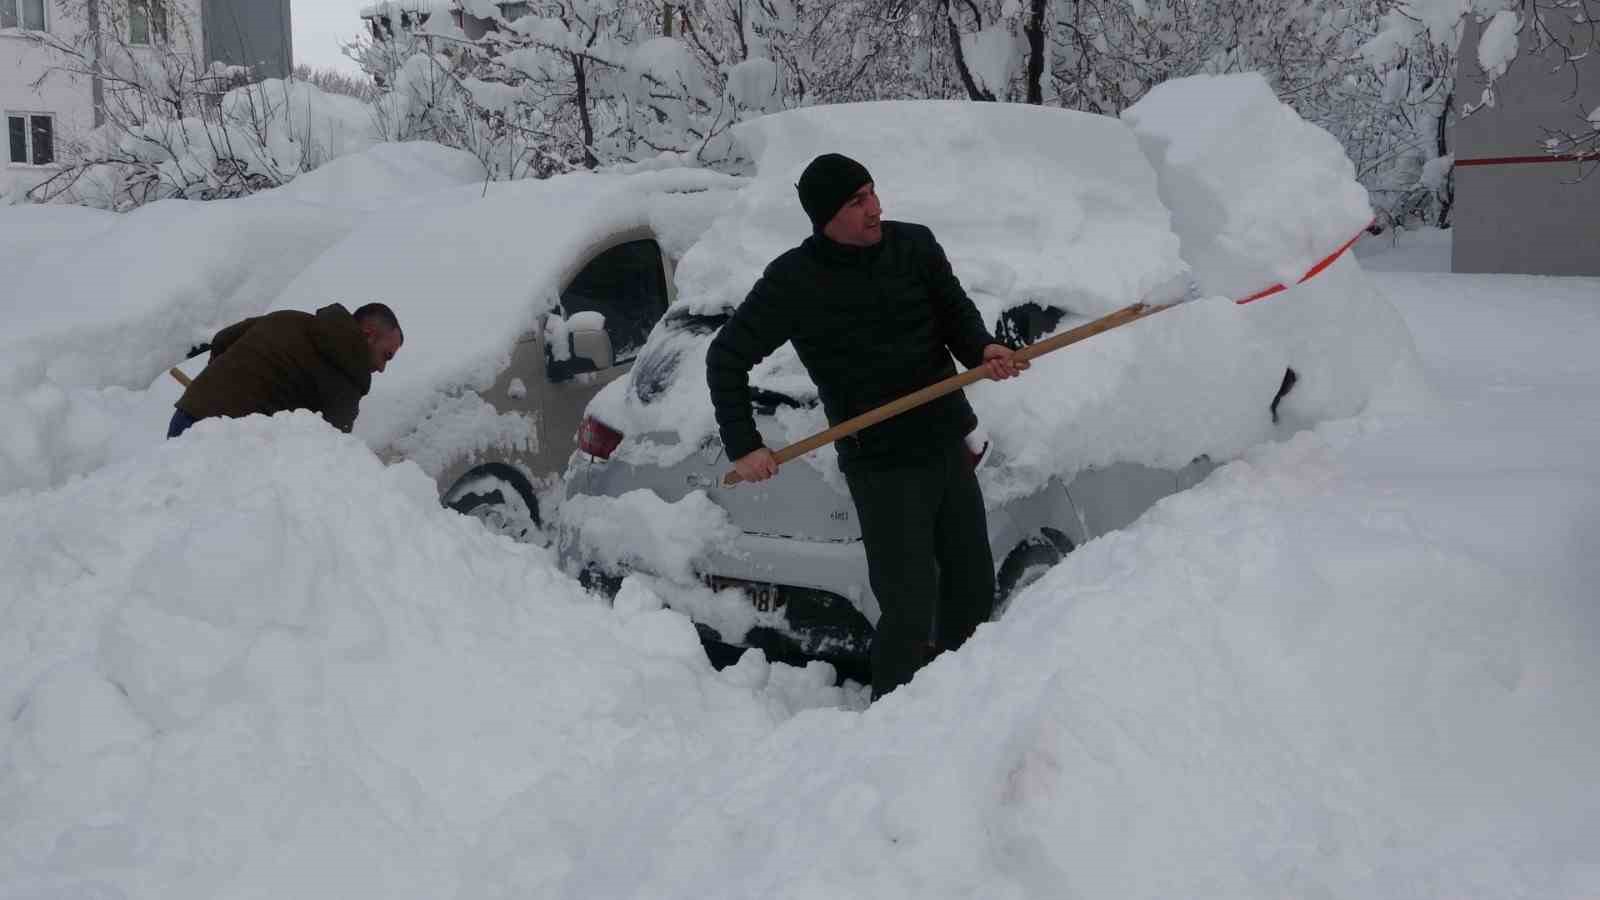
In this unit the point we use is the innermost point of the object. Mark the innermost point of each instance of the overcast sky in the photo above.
(320, 26)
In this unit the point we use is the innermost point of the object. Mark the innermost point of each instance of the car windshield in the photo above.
(657, 364)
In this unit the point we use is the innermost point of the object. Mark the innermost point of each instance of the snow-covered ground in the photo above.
(257, 662)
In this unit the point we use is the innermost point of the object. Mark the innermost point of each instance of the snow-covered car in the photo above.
(519, 302)
(1050, 218)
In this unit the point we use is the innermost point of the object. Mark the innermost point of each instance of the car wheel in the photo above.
(502, 499)
(1026, 563)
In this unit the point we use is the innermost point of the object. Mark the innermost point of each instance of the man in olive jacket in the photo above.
(293, 360)
(874, 313)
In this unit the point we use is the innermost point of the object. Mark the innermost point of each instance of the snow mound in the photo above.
(27, 229)
(257, 661)
(1257, 194)
(384, 176)
(1311, 676)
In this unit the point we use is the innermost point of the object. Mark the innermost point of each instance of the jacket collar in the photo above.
(339, 341)
(829, 251)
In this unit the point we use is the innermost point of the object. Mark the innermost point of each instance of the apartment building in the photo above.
(45, 103)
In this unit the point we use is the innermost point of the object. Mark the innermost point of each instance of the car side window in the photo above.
(627, 285)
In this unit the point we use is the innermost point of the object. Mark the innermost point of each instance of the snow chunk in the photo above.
(753, 84)
(1497, 48)
(1436, 171)
(1257, 194)
(465, 425)
(639, 529)
(992, 55)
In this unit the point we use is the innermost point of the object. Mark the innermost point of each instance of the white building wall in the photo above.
(67, 98)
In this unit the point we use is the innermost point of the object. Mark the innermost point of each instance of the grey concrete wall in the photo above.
(255, 33)
(1535, 218)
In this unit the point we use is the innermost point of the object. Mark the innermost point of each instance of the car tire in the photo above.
(500, 497)
(1026, 563)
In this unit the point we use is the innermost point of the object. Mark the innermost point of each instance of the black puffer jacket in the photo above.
(870, 324)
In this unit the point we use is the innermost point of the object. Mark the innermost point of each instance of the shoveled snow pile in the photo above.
(258, 662)
(1260, 197)
(1257, 194)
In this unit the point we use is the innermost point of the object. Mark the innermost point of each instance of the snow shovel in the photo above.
(1123, 316)
(178, 376)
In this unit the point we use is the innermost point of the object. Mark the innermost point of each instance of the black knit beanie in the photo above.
(825, 185)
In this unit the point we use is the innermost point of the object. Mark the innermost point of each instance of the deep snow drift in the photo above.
(257, 662)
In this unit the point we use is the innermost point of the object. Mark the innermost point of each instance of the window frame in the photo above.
(19, 12)
(155, 11)
(29, 148)
(560, 371)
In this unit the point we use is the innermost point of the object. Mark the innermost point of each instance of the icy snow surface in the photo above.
(257, 662)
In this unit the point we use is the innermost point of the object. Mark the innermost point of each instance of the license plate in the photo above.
(764, 596)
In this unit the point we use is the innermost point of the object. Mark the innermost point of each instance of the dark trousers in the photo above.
(928, 558)
(180, 423)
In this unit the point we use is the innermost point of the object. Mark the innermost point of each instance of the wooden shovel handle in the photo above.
(178, 376)
(938, 389)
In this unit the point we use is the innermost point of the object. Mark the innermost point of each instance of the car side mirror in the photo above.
(589, 339)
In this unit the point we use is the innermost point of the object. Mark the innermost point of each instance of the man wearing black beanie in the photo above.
(875, 312)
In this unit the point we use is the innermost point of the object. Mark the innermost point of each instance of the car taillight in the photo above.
(596, 438)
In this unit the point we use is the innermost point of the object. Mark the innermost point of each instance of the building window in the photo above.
(32, 137)
(147, 21)
(27, 14)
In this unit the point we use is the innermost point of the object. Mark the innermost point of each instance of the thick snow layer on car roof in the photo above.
(1028, 203)
(1034, 204)
(386, 176)
(473, 274)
